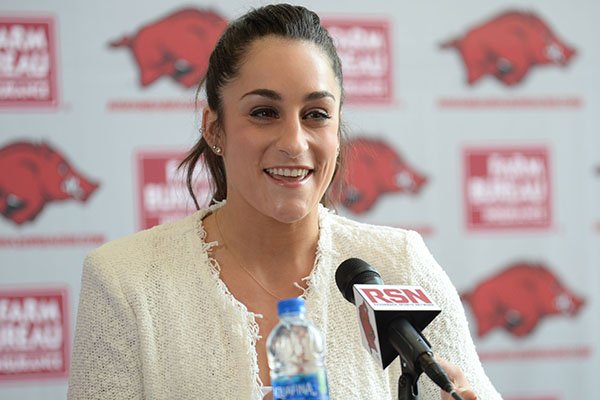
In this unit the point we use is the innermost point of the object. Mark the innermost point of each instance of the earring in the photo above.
(216, 149)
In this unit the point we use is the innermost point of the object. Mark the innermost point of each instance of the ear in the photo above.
(210, 128)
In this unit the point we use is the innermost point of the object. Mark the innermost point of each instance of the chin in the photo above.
(290, 213)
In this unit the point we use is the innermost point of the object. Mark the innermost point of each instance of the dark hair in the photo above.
(283, 20)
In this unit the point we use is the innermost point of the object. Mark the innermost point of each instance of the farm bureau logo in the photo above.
(373, 168)
(34, 333)
(365, 49)
(27, 62)
(507, 188)
(162, 191)
(518, 298)
(508, 46)
(33, 175)
(177, 46)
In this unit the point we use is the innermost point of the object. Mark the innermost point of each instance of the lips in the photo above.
(293, 174)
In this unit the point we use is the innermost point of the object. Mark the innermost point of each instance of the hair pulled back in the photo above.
(282, 20)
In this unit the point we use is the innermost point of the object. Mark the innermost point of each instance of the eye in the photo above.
(264, 112)
(63, 169)
(319, 115)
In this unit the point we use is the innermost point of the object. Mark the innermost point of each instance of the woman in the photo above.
(183, 310)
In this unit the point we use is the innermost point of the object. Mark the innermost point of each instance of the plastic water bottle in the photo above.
(295, 352)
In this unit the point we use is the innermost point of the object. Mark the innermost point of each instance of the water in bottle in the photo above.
(295, 351)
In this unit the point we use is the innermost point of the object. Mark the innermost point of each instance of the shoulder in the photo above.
(133, 254)
(393, 251)
(148, 242)
(346, 227)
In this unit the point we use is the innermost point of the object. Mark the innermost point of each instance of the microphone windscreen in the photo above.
(355, 271)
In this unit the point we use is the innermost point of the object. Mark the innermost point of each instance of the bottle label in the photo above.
(301, 387)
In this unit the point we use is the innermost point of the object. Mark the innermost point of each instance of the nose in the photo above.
(292, 140)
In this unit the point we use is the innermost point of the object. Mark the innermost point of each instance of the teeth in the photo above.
(291, 172)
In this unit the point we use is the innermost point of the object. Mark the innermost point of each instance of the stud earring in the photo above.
(216, 149)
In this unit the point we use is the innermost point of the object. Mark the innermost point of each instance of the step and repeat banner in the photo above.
(475, 123)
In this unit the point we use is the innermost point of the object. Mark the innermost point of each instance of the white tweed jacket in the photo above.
(156, 322)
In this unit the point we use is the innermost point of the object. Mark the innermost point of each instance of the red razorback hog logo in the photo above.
(508, 45)
(517, 298)
(367, 327)
(372, 169)
(33, 175)
(177, 45)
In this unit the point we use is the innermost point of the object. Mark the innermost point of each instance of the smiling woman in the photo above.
(183, 310)
(280, 116)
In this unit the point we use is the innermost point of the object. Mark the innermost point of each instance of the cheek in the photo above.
(242, 146)
(333, 145)
(329, 141)
(329, 154)
(243, 156)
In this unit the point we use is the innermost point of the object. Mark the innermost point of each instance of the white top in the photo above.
(156, 322)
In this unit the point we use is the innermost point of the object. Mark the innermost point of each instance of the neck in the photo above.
(266, 245)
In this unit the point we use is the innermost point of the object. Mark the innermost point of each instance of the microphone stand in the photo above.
(399, 334)
(407, 383)
(415, 357)
(410, 346)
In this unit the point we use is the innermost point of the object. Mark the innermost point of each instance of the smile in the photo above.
(297, 173)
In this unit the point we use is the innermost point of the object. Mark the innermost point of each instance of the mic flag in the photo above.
(377, 305)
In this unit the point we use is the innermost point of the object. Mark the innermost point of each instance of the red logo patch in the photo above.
(34, 334)
(518, 298)
(177, 46)
(366, 326)
(507, 188)
(162, 191)
(27, 62)
(508, 46)
(365, 48)
(372, 169)
(34, 175)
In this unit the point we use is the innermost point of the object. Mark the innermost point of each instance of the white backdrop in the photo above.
(502, 180)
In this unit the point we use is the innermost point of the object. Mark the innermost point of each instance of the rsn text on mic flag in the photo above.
(377, 305)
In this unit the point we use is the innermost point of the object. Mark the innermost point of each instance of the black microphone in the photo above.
(352, 272)
(396, 329)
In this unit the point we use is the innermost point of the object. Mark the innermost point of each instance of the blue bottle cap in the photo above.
(294, 305)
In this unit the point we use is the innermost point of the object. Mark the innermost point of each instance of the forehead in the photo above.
(283, 64)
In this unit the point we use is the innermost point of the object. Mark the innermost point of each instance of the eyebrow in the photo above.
(273, 95)
(319, 95)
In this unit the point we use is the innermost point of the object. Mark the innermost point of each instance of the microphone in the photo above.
(392, 318)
